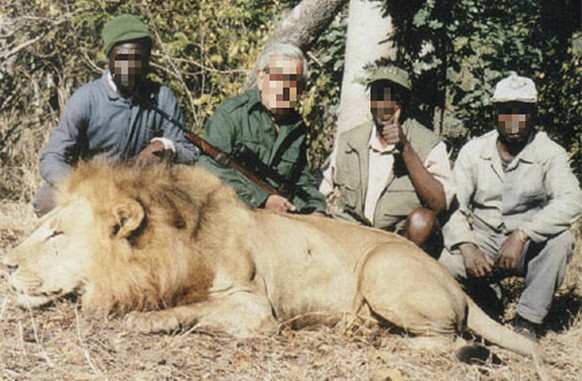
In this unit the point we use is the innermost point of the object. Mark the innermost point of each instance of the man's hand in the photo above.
(510, 251)
(477, 263)
(279, 204)
(391, 131)
(152, 153)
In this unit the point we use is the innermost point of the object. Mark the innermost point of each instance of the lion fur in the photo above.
(176, 248)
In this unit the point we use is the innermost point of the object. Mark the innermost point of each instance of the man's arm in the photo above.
(220, 132)
(565, 204)
(429, 190)
(61, 152)
(186, 152)
(438, 165)
(457, 231)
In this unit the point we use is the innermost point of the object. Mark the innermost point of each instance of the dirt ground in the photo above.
(64, 343)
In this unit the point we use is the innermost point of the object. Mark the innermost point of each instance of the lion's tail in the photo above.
(481, 324)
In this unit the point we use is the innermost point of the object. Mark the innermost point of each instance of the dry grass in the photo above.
(64, 343)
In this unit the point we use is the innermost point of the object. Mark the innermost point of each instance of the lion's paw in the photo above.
(152, 322)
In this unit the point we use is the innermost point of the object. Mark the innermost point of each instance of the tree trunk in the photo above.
(302, 26)
(368, 31)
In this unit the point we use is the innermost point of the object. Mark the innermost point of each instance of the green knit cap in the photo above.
(123, 28)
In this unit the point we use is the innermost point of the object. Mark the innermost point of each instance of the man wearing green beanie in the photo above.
(112, 117)
(393, 173)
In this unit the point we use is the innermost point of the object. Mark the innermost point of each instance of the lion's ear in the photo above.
(128, 215)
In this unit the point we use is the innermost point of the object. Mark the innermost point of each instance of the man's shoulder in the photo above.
(481, 142)
(355, 136)
(361, 129)
(240, 101)
(542, 143)
(422, 139)
(413, 124)
(544, 148)
(87, 93)
(89, 87)
(416, 130)
(158, 91)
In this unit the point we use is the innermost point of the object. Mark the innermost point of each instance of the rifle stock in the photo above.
(223, 159)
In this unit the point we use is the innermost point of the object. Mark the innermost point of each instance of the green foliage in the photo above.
(458, 50)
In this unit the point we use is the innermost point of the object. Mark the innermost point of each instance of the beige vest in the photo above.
(398, 198)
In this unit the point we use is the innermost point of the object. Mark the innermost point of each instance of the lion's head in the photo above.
(49, 264)
(123, 238)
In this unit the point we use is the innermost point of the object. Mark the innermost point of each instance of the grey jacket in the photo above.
(98, 122)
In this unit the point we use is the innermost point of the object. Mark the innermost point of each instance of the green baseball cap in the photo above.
(123, 28)
(390, 73)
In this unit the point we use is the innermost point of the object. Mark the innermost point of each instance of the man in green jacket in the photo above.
(264, 120)
(392, 173)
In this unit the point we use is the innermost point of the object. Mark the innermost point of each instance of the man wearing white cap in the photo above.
(517, 200)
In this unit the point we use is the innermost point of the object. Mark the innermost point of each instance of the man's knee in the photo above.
(454, 263)
(562, 245)
(420, 226)
(44, 199)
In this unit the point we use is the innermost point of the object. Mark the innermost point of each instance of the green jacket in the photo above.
(244, 119)
(399, 198)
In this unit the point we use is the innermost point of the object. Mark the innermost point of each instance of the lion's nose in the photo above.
(11, 268)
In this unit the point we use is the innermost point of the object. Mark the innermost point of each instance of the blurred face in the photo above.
(515, 121)
(383, 103)
(281, 84)
(129, 63)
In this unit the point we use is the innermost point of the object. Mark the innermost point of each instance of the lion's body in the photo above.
(179, 249)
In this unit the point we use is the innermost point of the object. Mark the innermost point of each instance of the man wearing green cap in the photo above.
(517, 200)
(112, 117)
(394, 173)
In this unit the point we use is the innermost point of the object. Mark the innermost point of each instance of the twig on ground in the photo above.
(37, 340)
(83, 347)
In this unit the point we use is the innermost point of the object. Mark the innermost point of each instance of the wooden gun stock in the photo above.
(223, 159)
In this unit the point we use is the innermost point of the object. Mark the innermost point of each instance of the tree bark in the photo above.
(302, 26)
(368, 32)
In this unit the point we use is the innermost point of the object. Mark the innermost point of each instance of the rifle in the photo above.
(244, 156)
(230, 161)
(225, 160)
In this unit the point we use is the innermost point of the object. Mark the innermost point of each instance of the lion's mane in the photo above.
(136, 273)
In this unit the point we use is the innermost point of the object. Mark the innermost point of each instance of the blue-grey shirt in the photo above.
(96, 121)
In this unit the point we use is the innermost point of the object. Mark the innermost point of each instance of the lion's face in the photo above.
(52, 262)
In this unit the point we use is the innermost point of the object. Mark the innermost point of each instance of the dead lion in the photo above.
(178, 248)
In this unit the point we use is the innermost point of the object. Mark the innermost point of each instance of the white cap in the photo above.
(515, 89)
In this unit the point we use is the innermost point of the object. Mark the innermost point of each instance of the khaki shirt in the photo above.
(538, 191)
